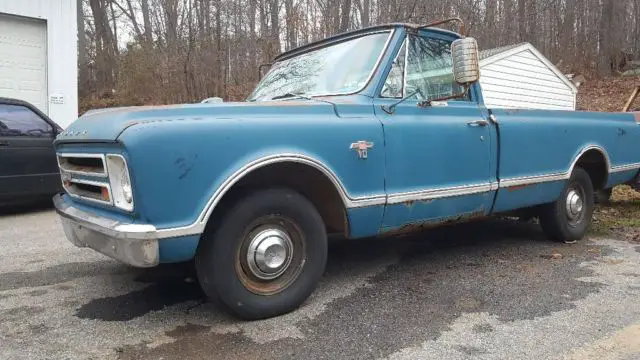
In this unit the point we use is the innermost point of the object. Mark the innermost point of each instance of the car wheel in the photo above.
(568, 218)
(265, 257)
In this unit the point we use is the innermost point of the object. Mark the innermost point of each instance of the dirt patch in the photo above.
(608, 94)
(619, 218)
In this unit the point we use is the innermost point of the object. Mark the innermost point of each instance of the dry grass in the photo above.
(608, 94)
(620, 218)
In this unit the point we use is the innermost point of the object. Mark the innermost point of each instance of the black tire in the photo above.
(603, 196)
(229, 278)
(555, 218)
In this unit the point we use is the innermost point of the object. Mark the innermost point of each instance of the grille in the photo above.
(84, 176)
(83, 164)
(88, 190)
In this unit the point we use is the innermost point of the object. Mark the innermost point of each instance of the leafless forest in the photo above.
(168, 51)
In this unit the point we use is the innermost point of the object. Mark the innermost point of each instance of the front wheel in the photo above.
(266, 256)
(567, 219)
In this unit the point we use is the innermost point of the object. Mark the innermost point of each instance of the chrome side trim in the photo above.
(438, 193)
(560, 176)
(528, 180)
(627, 167)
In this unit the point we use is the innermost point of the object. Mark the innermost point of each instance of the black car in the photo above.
(28, 165)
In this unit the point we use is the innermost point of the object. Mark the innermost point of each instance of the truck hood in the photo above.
(105, 125)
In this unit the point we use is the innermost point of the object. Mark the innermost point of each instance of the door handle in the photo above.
(478, 123)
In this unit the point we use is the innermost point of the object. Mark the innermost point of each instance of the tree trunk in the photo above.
(366, 9)
(147, 21)
(522, 20)
(83, 64)
(345, 15)
(604, 39)
(274, 9)
(105, 58)
(291, 24)
(115, 29)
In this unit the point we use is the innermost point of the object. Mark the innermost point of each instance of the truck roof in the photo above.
(348, 34)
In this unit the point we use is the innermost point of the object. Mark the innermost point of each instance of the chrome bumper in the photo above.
(133, 244)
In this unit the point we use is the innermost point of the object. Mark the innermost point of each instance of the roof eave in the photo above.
(537, 54)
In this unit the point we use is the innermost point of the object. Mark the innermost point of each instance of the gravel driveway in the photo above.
(486, 290)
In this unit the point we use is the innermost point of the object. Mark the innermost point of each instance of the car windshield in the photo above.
(336, 69)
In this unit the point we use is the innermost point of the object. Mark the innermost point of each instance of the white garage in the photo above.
(38, 55)
(519, 76)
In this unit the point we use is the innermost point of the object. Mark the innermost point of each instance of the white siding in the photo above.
(522, 80)
(59, 17)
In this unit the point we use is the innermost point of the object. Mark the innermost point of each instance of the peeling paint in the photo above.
(432, 223)
(410, 203)
(519, 187)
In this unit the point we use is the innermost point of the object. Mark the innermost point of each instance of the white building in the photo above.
(519, 76)
(38, 55)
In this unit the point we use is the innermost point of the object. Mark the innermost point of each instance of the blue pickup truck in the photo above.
(374, 132)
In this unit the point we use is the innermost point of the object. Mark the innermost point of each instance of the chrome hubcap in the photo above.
(269, 254)
(574, 204)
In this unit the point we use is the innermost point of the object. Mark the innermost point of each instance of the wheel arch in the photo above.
(596, 162)
(302, 173)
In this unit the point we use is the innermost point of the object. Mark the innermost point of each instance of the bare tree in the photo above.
(160, 51)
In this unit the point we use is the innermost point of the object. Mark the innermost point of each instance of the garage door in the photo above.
(23, 60)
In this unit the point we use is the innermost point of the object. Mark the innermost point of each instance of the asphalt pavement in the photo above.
(484, 290)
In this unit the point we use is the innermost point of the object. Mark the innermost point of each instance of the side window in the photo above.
(429, 68)
(17, 120)
(394, 85)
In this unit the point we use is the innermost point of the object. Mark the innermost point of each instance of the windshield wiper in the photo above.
(291, 95)
(302, 96)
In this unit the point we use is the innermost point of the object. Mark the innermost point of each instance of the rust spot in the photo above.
(519, 187)
(636, 115)
(409, 203)
(433, 223)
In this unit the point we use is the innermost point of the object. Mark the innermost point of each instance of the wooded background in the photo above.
(134, 52)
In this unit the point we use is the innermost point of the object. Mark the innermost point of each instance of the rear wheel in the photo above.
(267, 255)
(568, 218)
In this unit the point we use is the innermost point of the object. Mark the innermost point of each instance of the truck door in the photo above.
(440, 162)
(28, 165)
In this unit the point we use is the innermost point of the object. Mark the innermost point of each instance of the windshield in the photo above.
(336, 69)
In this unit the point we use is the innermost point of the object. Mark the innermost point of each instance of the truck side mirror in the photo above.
(466, 66)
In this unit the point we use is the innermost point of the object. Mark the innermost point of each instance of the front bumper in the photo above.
(133, 244)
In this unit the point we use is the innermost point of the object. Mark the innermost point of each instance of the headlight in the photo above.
(120, 182)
